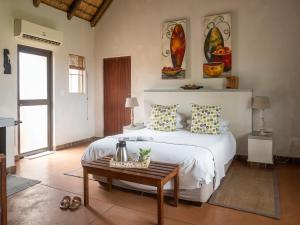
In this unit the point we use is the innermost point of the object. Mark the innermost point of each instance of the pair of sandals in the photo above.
(68, 203)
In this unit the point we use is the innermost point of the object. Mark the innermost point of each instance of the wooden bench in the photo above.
(3, 196)
(157, 174)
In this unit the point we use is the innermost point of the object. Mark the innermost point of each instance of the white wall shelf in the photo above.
(200, 90)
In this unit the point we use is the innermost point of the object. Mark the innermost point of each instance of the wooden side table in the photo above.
(157, 175)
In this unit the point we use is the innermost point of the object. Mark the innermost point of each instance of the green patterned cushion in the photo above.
(163, 118)
(205, 119)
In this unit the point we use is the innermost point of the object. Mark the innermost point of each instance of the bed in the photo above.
(203, 159)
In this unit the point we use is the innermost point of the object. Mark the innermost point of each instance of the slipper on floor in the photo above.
(65, 202)
(75, 203)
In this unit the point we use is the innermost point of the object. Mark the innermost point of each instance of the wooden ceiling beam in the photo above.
(36, 3)
(74, 6)
(90, 4)
(101, 10)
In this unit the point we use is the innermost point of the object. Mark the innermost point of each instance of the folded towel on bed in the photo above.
(137, 138)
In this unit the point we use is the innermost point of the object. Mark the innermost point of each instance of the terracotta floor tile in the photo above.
(124, 216)
(38, 205)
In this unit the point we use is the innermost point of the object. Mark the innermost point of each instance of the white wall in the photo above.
(70, 110)
(265, 41)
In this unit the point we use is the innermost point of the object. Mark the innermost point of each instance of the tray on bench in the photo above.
(130, 164)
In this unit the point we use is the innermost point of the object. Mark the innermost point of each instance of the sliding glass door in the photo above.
(34, 99)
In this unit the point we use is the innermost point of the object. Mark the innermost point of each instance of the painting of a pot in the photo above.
(177, 45)
(213, 69)
(174, 49)
(223, 55)
(217, 44)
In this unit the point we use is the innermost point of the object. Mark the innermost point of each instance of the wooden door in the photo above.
(117, 87)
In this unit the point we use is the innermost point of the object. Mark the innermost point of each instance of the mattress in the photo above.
(202, 158)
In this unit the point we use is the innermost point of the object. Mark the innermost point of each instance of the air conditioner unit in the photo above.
(31, 31)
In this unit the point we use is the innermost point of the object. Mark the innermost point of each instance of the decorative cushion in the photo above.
(205, 119)
(163, 118)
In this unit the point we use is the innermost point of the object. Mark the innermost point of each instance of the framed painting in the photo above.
(174, 49)
(217, 46)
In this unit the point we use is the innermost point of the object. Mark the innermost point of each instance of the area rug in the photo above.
(16, 184)
(252, 190)
(78, 173)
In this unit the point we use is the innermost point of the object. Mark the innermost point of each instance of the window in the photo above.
(76, 74)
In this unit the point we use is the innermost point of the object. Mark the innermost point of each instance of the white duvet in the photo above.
(201, 157)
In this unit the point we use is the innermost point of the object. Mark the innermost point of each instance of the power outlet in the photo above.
(294, 141)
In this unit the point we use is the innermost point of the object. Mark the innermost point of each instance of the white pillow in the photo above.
(180, 123)
(224, 125)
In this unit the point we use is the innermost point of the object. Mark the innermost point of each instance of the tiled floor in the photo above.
(39, 204)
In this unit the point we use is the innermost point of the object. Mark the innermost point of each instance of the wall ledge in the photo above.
(200, 90)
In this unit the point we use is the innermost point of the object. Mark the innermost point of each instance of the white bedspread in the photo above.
(201, 157)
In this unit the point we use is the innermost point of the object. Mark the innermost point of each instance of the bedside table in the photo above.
(260, 148)
(138, 126)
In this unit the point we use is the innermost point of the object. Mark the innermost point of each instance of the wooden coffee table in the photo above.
(157, 174)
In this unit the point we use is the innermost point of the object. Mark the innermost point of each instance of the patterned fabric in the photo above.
(205, 119)
(163, 118)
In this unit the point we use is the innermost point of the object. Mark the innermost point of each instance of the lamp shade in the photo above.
(131, 102)
(261, 102)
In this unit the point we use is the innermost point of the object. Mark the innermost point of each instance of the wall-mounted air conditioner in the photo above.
(31, 31)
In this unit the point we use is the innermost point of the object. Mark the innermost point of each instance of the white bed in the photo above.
(203, 159)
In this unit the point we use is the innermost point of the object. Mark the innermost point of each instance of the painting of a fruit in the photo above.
(171, 71)
(217, 46)
(174, 49)
(223, 55)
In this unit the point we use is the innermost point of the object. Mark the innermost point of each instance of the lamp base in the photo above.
(262, 133)
(132, 125)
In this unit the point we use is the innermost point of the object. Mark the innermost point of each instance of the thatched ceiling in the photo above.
(90, 10)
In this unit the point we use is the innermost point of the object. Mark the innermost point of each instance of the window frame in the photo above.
(80, 76)
(77, 68)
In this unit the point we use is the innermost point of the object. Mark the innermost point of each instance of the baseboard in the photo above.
(277, 159)
(11, 169)
(286, 160)
(241, 157)
(18, 157)
(76, 143)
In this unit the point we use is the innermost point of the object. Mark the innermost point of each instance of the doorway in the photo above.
(34, 100)
(117, 87)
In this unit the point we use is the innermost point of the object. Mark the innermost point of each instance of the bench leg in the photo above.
(86, 188)
(160, 205)
(176, 192)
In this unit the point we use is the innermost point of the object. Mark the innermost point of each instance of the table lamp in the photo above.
(131, 102)
(261, 103)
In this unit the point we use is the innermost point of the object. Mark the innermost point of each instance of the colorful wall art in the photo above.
(174, 49)
(217, 46)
